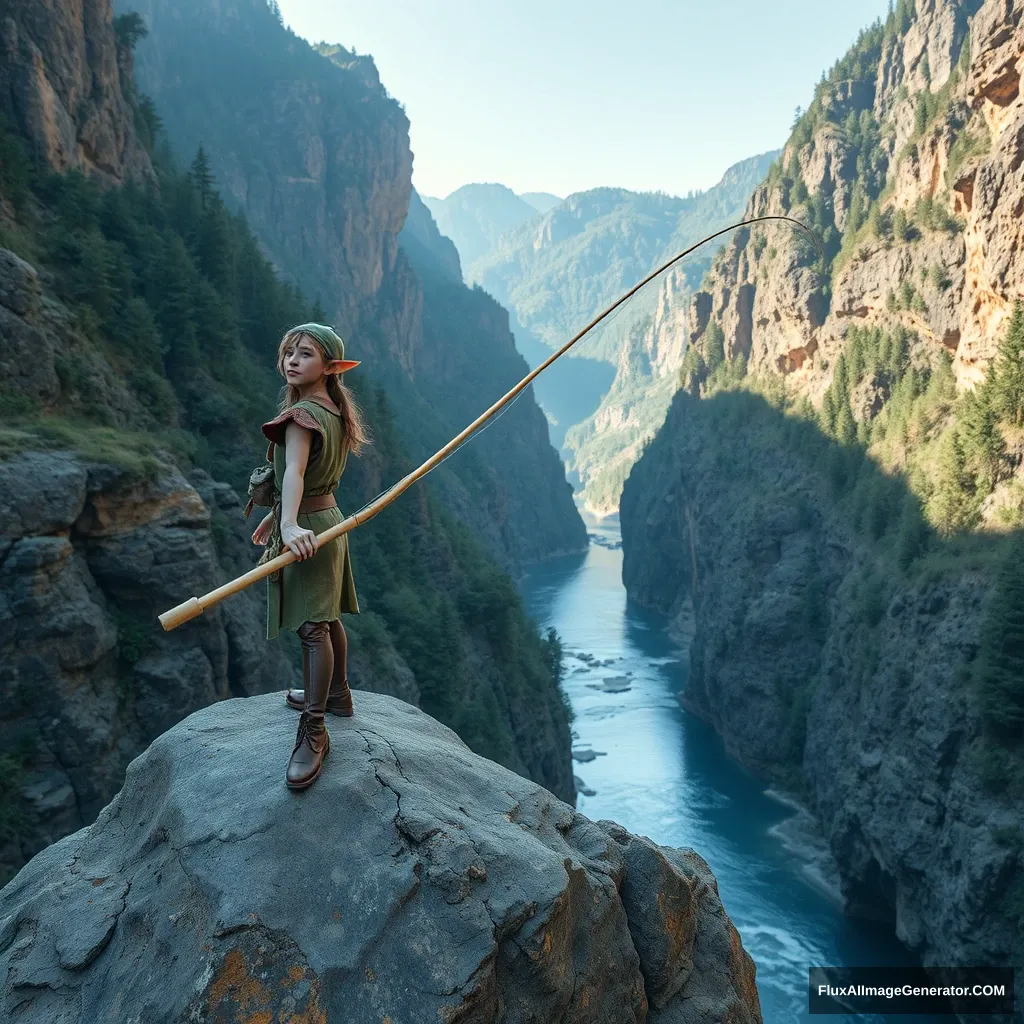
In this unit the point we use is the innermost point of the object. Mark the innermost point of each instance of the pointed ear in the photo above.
(340, 365)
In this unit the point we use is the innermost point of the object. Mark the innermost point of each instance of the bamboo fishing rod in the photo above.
(195, 606)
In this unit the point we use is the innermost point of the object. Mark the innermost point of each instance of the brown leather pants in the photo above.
(324, 661)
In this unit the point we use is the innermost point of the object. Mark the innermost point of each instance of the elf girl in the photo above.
(317, 425)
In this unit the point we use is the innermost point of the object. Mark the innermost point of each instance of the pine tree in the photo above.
(176, 311)
(846, 425)
(1009, 370)
(318, 316)
(828, 413)
(202, 177)
(714, 346)
(214, 248)
(1000, 666)
(984, 445)
(913, 532)
(951, 503)
(129, 29)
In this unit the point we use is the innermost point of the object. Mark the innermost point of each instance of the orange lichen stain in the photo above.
(585, 1001)
(370, 976)
(547, 942)
(235, 991)
(337, 915)
(98, 881)
(675, 920)
(295, 973)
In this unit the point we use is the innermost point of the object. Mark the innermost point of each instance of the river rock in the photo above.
(413, 881)
(617, 684)
(586, 755)
(582, 787)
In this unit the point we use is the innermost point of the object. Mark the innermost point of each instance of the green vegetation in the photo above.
(172, 292)
(908, 462)
(970, 144)
(615, 238)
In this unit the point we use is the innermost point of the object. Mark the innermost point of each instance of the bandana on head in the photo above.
(330, 341)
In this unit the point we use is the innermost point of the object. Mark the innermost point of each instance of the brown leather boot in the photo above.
(339, 699)
(339, 702)
(311, 746)
(312, 742)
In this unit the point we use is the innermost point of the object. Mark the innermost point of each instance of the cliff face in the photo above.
(62, 89)
(462, 893)
(312, 148)
(822, 680)
(823, 664)
(930, 131)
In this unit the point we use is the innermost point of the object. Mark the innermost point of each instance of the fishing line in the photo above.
(498, 413)
(188, 610)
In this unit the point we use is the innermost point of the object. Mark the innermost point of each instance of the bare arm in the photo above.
(297, 442)
(297, 446)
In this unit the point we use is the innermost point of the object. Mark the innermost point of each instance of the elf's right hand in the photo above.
(302, 542)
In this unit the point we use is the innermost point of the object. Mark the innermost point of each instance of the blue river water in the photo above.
(662, 773)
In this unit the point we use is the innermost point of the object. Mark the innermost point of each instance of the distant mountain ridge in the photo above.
(540, 201)
(475, 216)
(557, 272)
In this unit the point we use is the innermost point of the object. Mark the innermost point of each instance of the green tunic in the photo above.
(320, 588)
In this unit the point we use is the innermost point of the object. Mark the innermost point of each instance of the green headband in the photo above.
(329, 340)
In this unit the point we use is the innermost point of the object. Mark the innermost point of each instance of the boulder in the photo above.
(414, 881)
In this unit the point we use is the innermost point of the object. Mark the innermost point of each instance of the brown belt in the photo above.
(317, 503)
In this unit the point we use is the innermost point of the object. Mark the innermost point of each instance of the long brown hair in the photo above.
(355, 430)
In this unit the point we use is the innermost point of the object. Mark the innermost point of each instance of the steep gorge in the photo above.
(832, 497)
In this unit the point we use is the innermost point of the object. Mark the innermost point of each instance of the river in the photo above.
(662, 773)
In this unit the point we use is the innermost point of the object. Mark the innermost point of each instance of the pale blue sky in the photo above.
(567, 95)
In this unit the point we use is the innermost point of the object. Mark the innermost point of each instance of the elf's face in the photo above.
(303, 363)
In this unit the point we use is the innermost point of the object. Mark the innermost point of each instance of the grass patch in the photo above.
(135, 452)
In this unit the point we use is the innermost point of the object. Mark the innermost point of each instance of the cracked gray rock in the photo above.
(414, 881)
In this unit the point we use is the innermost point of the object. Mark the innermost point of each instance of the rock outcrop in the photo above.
(94, 545)
(413, 881)
(824, 679)
(62, 89)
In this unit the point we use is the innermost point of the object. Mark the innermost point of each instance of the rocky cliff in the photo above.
(802, 504)
(828, 676)
(98, 540)
(414, 881)
(62, 89)
(908, 163)
(310, 145)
